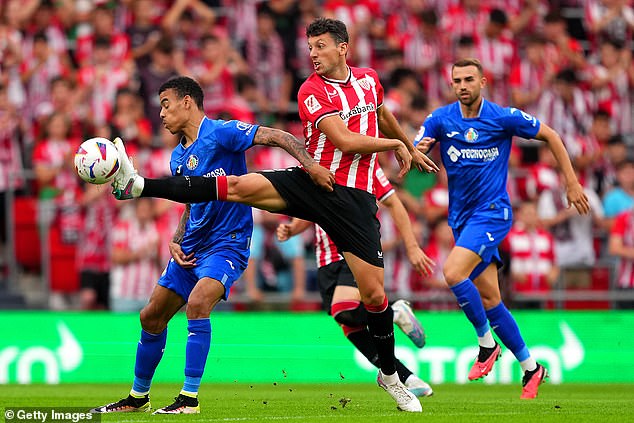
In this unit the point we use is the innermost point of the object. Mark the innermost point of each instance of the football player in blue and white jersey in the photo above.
(210, 247)
(474, 137)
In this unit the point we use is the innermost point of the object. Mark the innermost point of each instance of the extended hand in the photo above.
(576, 197)
(421, 261)
(423, 163)
(404, 159)
(321, 176)
(185, 261)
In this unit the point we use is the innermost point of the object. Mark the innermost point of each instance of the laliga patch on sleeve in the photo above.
(312, 104)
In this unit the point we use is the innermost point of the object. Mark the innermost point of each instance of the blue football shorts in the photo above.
(223, 264)
(482, 233)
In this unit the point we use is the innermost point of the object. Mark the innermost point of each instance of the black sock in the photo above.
(362, 340)
(182, 189)
(381, 327)
(485, 353)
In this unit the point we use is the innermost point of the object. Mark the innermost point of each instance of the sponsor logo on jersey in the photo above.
(192, 162)
(216, 172)
(357, 110)
(452, 134)
(312, 104)
(482, 154)
(471, 135)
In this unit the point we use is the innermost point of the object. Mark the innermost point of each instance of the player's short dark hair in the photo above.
(183, 86)
(463, 63)
(334, 27)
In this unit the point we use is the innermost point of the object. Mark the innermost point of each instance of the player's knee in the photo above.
(151, 321)
(350, 313)
(452, 275)
(198, 308)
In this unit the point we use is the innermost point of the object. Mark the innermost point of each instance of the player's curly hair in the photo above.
(183, 86)
(336, 28)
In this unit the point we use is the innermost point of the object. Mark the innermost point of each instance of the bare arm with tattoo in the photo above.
(186, 261)
(278, 138)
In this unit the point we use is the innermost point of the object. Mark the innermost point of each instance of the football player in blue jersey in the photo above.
(210, 247)
(474, 137)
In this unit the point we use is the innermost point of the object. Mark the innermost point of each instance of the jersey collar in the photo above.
(340, 81)
(479, 111)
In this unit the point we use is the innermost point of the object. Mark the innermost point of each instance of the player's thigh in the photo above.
(254, 190)
(369, 279)
(204, 297)
(346, 293)
(488, 286)
(161, 307)
(459, 265)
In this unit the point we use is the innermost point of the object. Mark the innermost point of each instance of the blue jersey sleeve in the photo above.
(429, 128)
(235, 135)
(519, 123)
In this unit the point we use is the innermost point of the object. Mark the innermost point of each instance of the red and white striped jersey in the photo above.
(623, 227)
(532, 255)
(356, 100)
(325, 249)
(135, 280)
(499, 55)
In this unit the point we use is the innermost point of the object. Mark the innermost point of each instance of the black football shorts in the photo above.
(348, 215)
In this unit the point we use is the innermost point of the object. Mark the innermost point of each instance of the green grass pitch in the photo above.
(344, 402)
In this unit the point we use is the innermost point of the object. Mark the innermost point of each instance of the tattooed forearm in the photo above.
(180, 230)
(278, 138)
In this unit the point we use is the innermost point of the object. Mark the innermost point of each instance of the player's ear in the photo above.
(187, 101)
(343, 48)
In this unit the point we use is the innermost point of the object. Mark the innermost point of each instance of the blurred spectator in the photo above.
(135, 268)
(364, 22)
(403, 21)
(403, 85)
(100, 80)
(438, 248)
(162, 67)
(531, 75)
(93, 258)
(611, 80)
(466, 18)
(532, 255)
(264, 54)
(496, 47)
(609, 20)
(573, 233)
(129, 123)
(10, 159)
(274, 265)
(38, 71)
(186, 22)
(424, 51)
(64, 98)
(621, 197)
(566, 51)
(100, 28)
(11, 56)
(621, 245)
(568, 108)
(213, 74)
(143, 34)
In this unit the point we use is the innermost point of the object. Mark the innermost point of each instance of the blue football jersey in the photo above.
(475, 153)
(218, 150)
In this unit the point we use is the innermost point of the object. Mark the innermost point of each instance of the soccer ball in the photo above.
(97, 160)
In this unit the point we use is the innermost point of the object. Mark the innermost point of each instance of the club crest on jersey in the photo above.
(364, 83)
(471, 135)
(312, 104)
(192, 162)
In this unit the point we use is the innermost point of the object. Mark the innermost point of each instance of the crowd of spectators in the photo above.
(74, 69)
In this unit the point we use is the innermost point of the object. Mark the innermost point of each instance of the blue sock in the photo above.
(148, 355)
(469, 301)
(196, 351)
(506, 329)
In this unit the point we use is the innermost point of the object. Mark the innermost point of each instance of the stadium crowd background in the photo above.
(74, 69)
